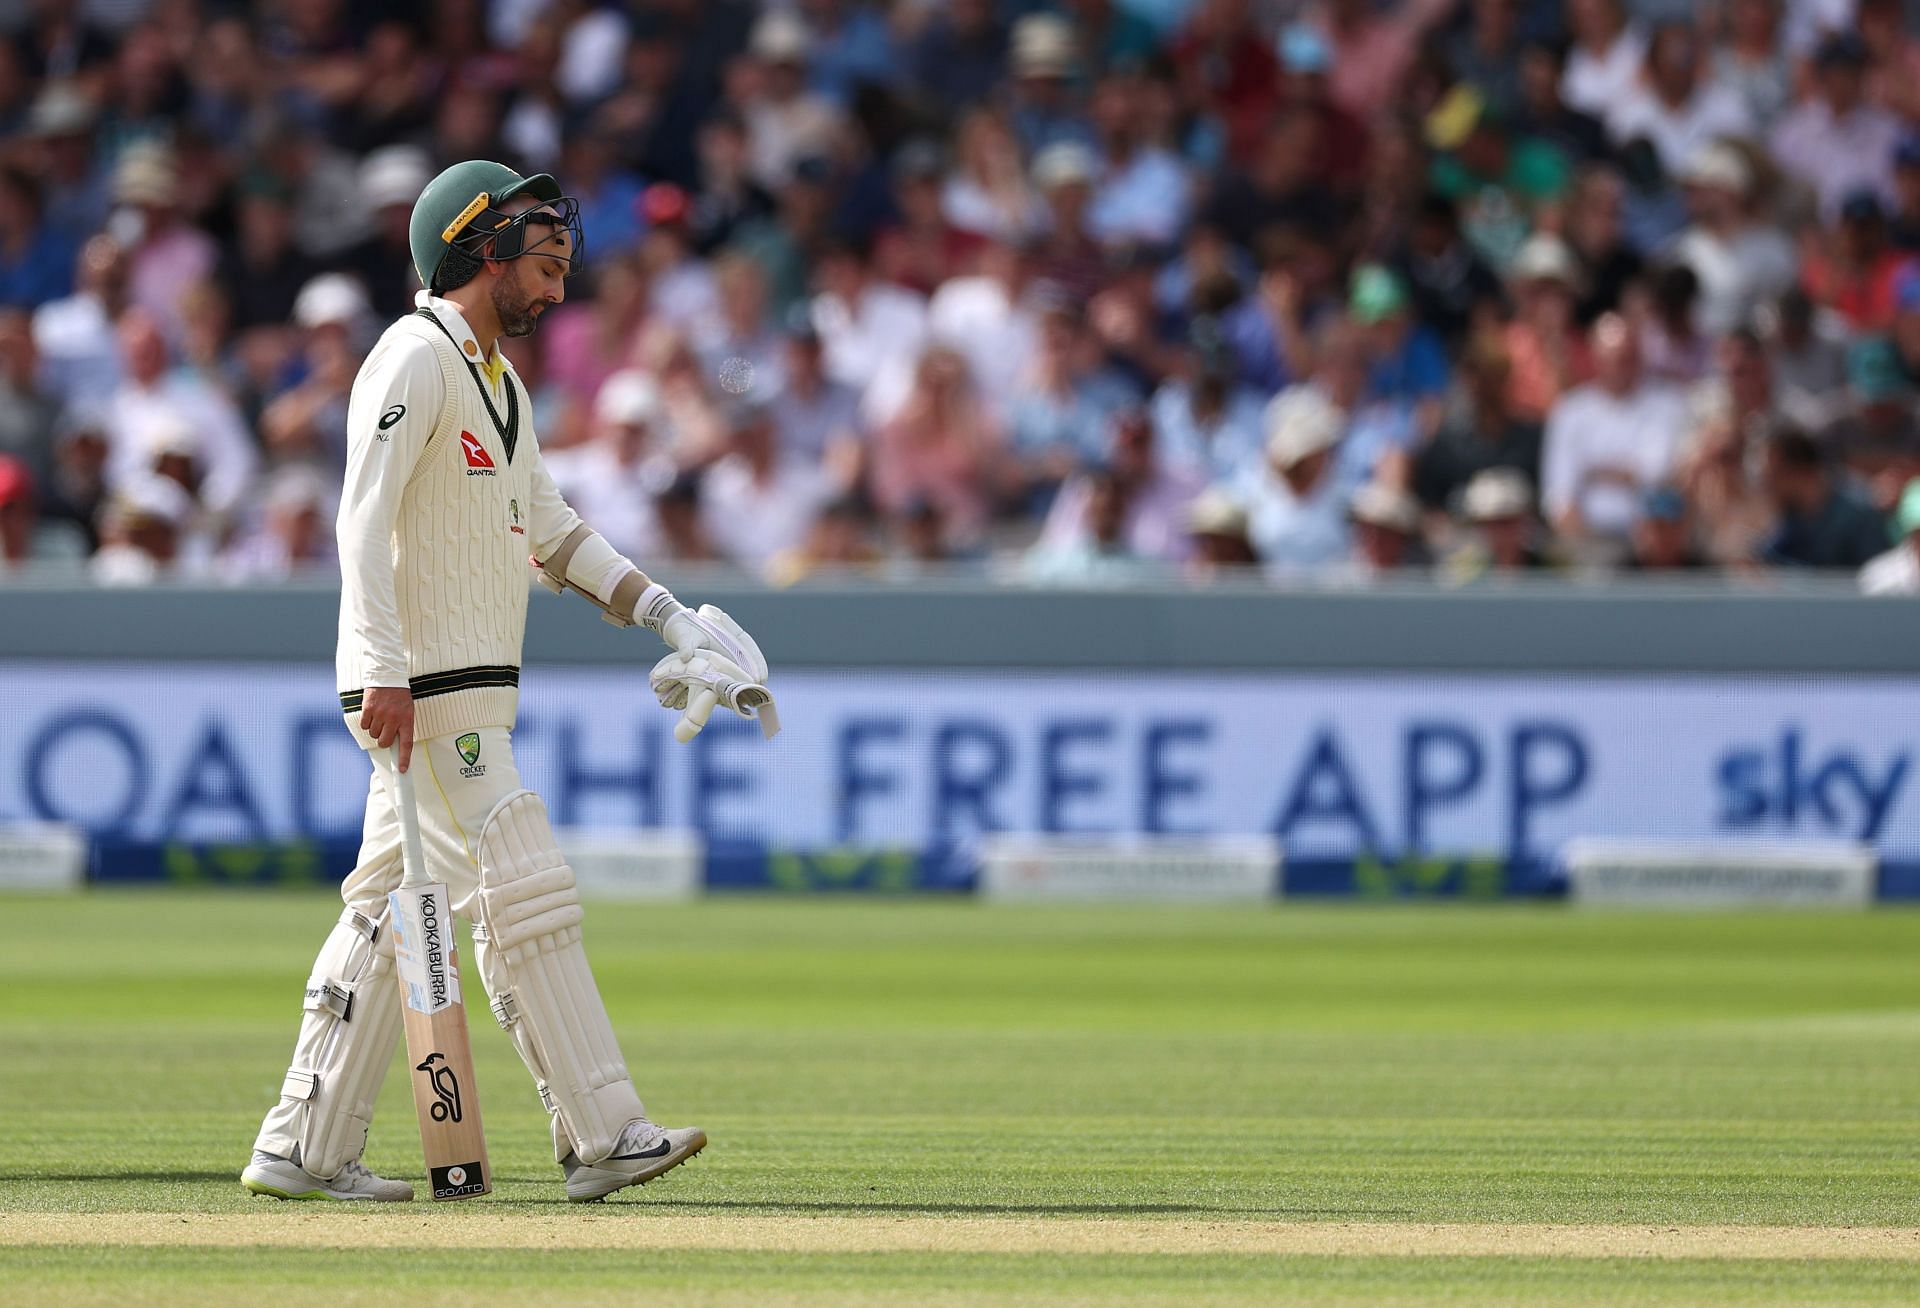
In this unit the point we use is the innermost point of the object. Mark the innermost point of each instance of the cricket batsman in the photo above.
(446, 500)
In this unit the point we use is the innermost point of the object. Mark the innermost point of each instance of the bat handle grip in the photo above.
(413, 859)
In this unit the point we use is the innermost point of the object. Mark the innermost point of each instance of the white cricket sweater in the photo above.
(445, 499)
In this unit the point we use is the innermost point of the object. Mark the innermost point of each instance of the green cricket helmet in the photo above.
(460, 211)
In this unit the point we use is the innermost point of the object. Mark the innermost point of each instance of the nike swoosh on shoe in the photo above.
(660, 1150)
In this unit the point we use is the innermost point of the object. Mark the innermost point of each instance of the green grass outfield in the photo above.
(936, 1101)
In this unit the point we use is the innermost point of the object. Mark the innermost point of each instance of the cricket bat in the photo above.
(438, 1054)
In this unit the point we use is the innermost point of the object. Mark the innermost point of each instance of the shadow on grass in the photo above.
(228, 1174)
(640, 1203)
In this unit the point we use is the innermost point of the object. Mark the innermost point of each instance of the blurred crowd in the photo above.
(1076, 292)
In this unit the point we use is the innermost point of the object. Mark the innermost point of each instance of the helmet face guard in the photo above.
(481, 225)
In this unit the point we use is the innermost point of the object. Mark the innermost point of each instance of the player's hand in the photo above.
(709, 628)
(697, 682)
(386, 714)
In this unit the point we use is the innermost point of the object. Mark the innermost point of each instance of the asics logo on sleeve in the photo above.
(393, 415)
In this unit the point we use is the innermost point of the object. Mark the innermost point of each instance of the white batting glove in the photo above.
(698, 681)
(709, 627)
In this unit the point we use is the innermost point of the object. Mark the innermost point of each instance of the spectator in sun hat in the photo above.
(1547, 353)
(1217, 535)
(1673, 106)
(1296, 506)
(1386, 529)
(141, 532)
(1897, 572)
(1498, 509)
(1740, 262)
(1042, 63)
(391, 179)
(166, 254)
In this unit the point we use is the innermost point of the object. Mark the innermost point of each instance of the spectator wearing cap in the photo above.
(1061, 406)
(992, 317)
(1064, 174)
(1499, 180)
(292, 534)
(308, 421)
(786, 122)
(1546, 349)
(1608, 440)
(867, 326)
(1835, 142)
(1096, 551)
(1296, 505)
(1498, 508)
(987, 191)
(29, 412)
(1854, 272)
(756, 502)
(960, 55)
(60, 150)
(680, 289)
(918, 248)
(36, 258)
(1155, 494)
(1820, 524)
(166, 256)
(1208, 423)
(1673, 105)
(1386, 529)
(1752, 63)
(817, 419)
(1481, 430)
(151, 393)
(1741, 263)
(622, 466)
(1449, 283)
(391, 179)
(941, 447)
(1142, 195)
(1897, 572)
(1042, 62)
(1607, 56)
(141, 531)
(263, 268)
(1663, 535)
(1217, 536)
(1408, 364)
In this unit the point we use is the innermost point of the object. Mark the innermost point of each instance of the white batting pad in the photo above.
(534, 966)
(347, 1038)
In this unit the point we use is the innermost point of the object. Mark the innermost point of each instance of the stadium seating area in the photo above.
(1070, 294)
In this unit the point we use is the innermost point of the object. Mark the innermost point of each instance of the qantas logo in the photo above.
(479, 462)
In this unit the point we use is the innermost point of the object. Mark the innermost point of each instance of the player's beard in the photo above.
(514, 306)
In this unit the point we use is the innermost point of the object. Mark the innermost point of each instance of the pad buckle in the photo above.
(358, 921)
(300, 1084)
(324, 994)
(506, 1010)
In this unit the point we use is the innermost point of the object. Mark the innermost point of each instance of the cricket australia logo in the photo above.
(469, 747)
(513, 518)
(445, 1086)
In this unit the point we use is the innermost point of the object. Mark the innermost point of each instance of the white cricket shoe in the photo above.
(643, 1152)
(282, 1178)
